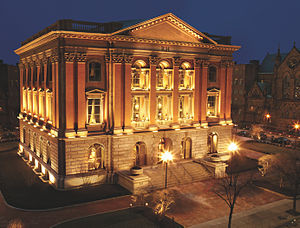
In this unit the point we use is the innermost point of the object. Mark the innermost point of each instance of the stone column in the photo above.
(175, 94)
(196, 94)
(222, 75)
(21, 89)
(203, 93)
(117, 93)
(79, 94)
(229, 71)
(127, 93)
(70, 99)
(153, 60)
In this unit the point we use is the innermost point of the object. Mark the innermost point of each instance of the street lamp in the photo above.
(268, 117)
(166, 157)
(296, 127)
(233, 147)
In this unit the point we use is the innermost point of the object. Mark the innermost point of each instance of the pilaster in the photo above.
(222, 73)
(203, 93)
(127, 93)
(175, 94)
(196, 93)
(153, 60)
(229, 71)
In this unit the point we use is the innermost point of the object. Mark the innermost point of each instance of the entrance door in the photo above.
(140, 154)
(187, 148)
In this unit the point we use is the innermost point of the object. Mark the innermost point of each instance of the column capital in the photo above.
(176, 61)
(81, 57)
(154, 59)
(128, 58)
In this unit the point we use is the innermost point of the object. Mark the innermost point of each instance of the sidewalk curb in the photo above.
(59, 208)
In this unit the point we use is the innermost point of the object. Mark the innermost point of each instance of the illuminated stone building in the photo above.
(100, 98)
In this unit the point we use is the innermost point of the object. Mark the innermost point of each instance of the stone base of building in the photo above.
(217, 168)
(135, 184)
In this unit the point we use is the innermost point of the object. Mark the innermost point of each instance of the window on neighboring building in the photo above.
(164, 76)
(96, 157)
(186, 76)
(139, 76)
(297, 87)
(94, 71)
(213, 102)
(286, 86)
(212, 74)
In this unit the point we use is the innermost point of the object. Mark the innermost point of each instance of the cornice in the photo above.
(123, 38)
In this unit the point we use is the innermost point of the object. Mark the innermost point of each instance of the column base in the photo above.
(118, 130)
(175, 125)
(128, 130)
(82, 132)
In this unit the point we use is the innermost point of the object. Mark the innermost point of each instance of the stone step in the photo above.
(180, 173)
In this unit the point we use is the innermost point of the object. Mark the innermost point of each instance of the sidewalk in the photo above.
(269, 215)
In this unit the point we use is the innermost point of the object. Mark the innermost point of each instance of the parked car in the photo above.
(244, 133)
(282, 140)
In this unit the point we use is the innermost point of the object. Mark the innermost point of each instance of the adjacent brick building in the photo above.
(99, 98)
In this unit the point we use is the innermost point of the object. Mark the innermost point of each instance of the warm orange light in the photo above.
(268, 116)
(166, 156)
(233, 147)
(296, 126)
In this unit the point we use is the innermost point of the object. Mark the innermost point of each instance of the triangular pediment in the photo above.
(166, 27)
(255, 92)
(93, 91)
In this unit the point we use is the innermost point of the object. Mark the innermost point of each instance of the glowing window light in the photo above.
(51, 178)
(36, 164)
(43, 169)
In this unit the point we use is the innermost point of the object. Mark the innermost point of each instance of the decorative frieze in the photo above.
(117, 58)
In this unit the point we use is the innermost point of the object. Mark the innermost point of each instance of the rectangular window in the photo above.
(213, 103)
(95, 111)
(185, 107)
(140, 79)
(164, 79)
(186, 79)
(140, 111)
(164, 111)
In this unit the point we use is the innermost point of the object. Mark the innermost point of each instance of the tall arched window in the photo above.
(48, 154)
(212, 143)
(164, 76)
(140, 154)
(297, 87)
(186, 147)
(96, 157)
(94, 71)
(286, 86)
(139, 76)
(212, 74)
(185, 76)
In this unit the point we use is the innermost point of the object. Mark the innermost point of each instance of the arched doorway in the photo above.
(186, 146)
(212, 143)
(96, 157)
(140, 154)
(165, 144)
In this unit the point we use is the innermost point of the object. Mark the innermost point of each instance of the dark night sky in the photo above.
(257, 25)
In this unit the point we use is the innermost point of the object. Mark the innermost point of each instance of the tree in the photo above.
(255, 131)
(287, 166)
(229, 189)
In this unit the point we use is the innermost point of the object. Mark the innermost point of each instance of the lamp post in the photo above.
(166, 157)
(232, 147)
(296, 128)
